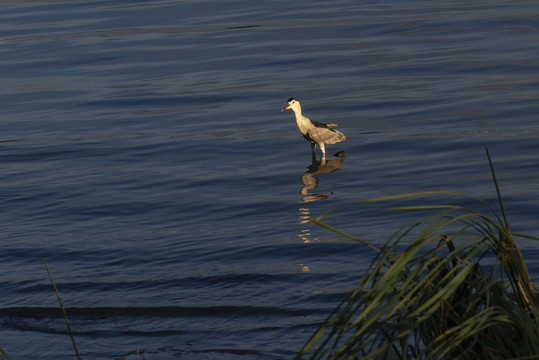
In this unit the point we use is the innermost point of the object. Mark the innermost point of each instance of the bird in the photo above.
(313, 131)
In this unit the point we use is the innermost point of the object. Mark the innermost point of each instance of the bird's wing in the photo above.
(321, 125)
(326, 135)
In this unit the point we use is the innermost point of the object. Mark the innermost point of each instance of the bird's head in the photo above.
(292, 103)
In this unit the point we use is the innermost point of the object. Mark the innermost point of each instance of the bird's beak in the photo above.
(287, 106)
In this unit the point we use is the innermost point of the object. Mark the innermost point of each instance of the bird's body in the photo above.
(316, 133)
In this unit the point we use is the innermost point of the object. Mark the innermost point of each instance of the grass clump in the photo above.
(429, 295)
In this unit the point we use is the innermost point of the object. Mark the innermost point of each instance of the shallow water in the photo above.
(145, 158)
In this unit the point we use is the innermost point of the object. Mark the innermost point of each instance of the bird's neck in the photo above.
(297, 112)
(301, 121)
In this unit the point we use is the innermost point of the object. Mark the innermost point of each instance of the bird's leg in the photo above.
(313, 152)
(313, 158)
(323, 149)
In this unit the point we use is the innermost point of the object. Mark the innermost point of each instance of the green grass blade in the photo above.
(4, 355)
(63, 311)
(502, 208)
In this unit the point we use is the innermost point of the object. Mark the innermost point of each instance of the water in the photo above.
(145, 158)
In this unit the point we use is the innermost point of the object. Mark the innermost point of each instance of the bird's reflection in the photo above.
(321, 166)
(310, 182)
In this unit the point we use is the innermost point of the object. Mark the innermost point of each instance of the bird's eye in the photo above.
(293, 101)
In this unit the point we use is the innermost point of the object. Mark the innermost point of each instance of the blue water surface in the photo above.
(145, 158)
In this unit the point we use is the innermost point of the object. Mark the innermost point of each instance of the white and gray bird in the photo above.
(316, 133)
